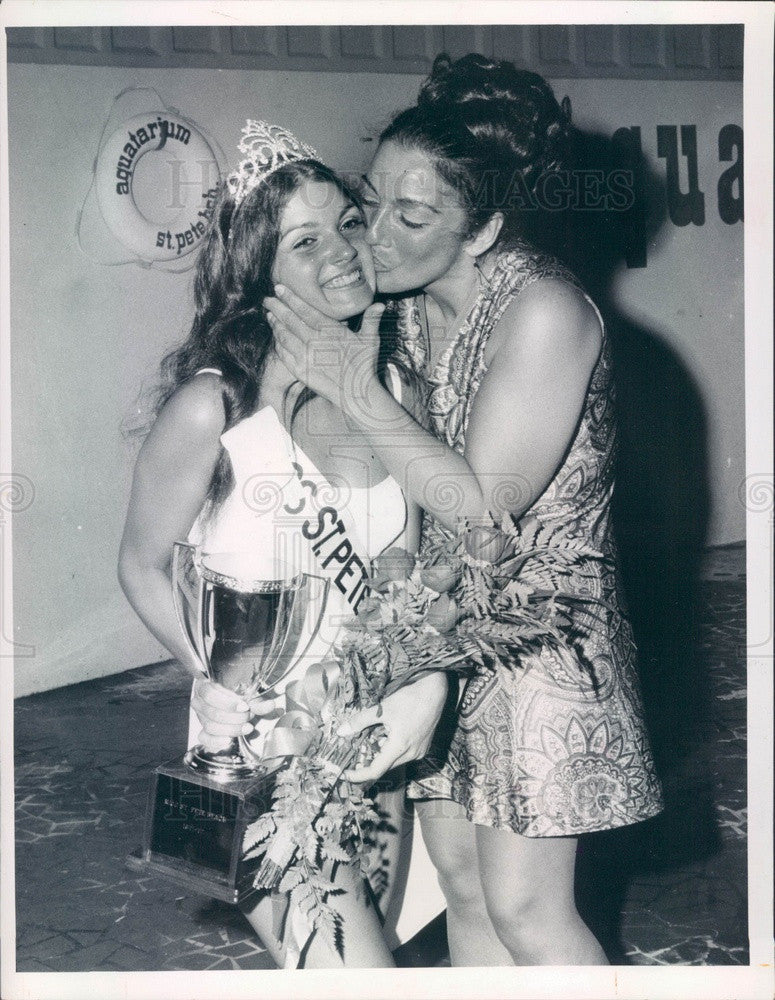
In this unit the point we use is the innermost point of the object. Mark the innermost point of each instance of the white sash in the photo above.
(330, 529)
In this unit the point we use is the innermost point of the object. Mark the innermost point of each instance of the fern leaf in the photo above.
(334, 852)
(258, 832)
(292, 878)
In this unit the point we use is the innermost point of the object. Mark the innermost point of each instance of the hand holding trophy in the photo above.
(248, 635)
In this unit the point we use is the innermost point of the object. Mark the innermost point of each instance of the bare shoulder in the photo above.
(192, 418)
(550, 318)
(554, 298)
(197, 405)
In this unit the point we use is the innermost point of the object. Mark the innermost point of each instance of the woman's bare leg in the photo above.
(528, 885)
(259, 912)
(364, 946)
(451, 842)
(385, 860)
(364, 942)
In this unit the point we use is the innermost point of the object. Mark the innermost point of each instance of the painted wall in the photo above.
(85, 337)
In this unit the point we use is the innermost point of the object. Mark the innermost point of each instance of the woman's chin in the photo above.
(344, 307)
(391, 284)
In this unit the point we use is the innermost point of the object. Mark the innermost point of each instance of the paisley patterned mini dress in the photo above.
(543, 750)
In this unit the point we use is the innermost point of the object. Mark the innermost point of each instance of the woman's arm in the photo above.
(171, 479)
(522, 420)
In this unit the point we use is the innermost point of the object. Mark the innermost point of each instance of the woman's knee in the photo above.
(461, 887)
(528, 918)
(538, 894)
(452, 849)
(457, 872)
(514, 908)
(542, 928)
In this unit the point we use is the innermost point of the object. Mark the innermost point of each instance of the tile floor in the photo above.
(671, 891)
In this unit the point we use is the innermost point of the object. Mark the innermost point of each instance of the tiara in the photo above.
(266, 148)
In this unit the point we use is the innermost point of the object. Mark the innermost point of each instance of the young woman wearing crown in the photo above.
(236, 433)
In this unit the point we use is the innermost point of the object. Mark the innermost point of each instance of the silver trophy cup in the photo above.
(246, 633)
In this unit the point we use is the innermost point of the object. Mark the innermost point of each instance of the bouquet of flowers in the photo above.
(523, 588)
(405, 629)
(491, 596)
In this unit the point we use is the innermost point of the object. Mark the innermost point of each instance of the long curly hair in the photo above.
(230, 331)
(493, 131)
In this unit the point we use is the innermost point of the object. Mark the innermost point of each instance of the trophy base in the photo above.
(223, 766)
(195, 825)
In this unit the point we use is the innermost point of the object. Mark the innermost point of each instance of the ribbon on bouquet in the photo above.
(305, 701)
(309, 706)
(308, 702)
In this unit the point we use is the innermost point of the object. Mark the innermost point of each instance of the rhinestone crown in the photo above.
(266, 148)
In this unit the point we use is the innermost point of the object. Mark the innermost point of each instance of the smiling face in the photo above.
(416, 223)
(321, 253)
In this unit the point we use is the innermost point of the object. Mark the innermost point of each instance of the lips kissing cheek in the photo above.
(415, 220)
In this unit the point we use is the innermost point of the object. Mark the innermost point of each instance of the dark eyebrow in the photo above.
(415, 203)
(314, 225)
(303, 225)
(404, 202)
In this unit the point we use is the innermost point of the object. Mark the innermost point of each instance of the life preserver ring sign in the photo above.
(114, 172)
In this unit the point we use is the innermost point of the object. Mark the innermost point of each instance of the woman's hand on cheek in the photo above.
(321, 352)
(311, 318)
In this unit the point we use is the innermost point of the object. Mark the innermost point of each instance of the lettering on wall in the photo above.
(624, 184)
(166, 129)
(730, 183)
(682, 206)
(687, 203)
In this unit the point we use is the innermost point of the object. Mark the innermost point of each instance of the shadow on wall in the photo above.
(661, 510)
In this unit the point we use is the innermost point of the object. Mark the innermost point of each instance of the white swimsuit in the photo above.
(277, 492)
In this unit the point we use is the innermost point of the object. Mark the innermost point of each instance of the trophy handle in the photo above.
(288, 656)
(326, 586)
(189, 597)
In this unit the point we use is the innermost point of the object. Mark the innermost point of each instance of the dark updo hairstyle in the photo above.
(492, 131)
(233, 276)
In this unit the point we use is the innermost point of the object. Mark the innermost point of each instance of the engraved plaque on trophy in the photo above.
(247, 634)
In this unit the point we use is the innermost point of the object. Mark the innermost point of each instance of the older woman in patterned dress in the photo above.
(520, 410)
